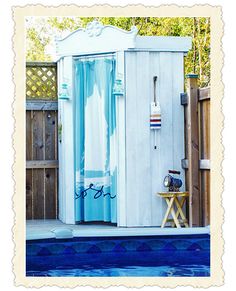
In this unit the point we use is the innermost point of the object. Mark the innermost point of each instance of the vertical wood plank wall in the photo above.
(146, 167)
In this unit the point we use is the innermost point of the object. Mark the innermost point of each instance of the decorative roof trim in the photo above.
(96, 37)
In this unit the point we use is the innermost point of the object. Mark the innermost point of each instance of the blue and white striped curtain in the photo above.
(95, 140)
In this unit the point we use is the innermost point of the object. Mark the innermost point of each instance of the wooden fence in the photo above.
(197, 145)
(41, 142)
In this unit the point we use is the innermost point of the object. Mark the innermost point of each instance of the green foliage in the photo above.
(65, 23)
(197, 61)
(37, 39)
(36, 46)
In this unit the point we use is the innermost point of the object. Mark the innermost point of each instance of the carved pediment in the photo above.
(96, 37)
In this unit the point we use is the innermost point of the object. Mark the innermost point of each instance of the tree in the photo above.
(40, 36)
(37, 39)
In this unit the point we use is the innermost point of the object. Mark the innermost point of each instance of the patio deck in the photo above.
(41, 229)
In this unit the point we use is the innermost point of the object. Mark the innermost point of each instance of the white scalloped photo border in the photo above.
(216, 152)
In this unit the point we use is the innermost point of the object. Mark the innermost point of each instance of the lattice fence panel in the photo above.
(41, 80)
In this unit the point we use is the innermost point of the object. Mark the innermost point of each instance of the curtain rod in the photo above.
(102, 55)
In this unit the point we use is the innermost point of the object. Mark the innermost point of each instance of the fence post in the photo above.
(193, 150)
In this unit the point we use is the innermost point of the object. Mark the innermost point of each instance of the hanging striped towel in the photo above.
(155, 117)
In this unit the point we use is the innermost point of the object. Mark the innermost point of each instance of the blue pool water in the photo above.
(160, 256)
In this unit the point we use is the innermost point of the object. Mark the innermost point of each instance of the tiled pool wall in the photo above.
(47, 247)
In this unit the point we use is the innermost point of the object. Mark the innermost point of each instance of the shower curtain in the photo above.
(95, 140)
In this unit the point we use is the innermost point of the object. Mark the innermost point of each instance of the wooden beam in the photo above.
(203, 164)
(41, 105)
(41, 64)
(42, 164)
(193, 151)
(204, 93)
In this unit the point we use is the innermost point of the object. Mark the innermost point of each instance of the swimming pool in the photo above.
(159, 256)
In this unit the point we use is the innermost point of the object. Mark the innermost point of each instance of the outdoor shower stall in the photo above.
(111, 164)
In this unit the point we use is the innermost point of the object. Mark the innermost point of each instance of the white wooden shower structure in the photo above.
(140, 167)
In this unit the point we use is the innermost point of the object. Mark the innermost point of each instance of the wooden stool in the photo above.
(175, 199)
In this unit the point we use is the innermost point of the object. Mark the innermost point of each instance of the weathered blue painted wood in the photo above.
(96, 38)
(143, 139)
(61, 149)
(66, 148)
(163, 44)
(166, 132)
(132, 201)
(156, 179)
(146, 170)
(178, 112)
(121, 173)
